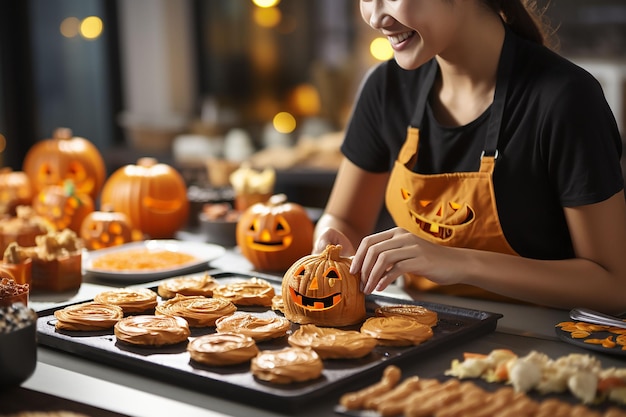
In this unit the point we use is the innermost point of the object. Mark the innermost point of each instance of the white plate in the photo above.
(203, 253)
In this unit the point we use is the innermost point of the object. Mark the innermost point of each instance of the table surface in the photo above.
(522, 328)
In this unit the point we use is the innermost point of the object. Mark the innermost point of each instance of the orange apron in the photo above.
(452, 209)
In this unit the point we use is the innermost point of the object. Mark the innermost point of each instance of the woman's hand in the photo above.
(332, 236)
(383, 257)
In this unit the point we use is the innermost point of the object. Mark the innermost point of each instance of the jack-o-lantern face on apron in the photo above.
(453, 209)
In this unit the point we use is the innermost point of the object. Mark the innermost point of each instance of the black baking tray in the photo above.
(173, 365)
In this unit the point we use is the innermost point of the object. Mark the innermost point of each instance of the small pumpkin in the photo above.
(272, 235)
(153, 195)
(66, 157)
(15, 190)
(63, 207)
(319, 289)
(106, 228)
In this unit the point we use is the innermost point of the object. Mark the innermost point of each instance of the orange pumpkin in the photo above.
(320, 289)
(153, 195)
(15, 190)
(274, 234)
(63, 207)
(63, 157)
(105, 228)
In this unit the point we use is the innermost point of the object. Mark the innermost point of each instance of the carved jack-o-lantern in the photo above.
(63, 157)
(320, 289)
(63, 207)
(106, 228)
(153, 195)
(15, 190)
(274, 234)
(438, 218)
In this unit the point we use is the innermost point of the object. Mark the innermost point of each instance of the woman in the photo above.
(498, 160)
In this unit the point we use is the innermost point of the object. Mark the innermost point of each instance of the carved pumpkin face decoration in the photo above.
(274, 234)
(15, 190)
(438, 218)
(319, 289)
(63, 207)
(104, 229)
(53, 161)
(153, 196)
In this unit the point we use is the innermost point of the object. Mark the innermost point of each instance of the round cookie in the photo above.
(333, 343)
(287, 365)
(251, 292)
(188, 285)
(415, 312)
(199, 311)
(222, 349)
(132, 300)
(88, 316)
(148, 330)
(258, 328)
(396, 330)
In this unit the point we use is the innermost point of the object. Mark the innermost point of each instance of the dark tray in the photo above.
(172, 364)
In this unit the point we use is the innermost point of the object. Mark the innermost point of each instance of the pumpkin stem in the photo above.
(147, 161)
(62, 133)
(70, 190)
(277, 199)
(332, 252)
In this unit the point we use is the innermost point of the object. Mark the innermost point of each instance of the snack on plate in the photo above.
(332, 343)
(287, 365)
(22, 229)
(396, 330)
(415, 312)
(148, 330)
(222, 349)
(188, 285)
(252, 292)
(199, 311)
(141, 259)
(88, 316)
(258, 328)
(132, 300)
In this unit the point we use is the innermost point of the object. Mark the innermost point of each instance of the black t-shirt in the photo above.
(559, 144)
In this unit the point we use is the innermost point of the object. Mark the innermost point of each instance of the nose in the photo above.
(378, 16)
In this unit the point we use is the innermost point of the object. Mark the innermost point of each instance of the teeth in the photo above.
(395, 39)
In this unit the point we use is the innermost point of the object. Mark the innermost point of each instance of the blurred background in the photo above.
(201, 82)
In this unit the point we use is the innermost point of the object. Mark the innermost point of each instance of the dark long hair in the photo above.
(526, 19)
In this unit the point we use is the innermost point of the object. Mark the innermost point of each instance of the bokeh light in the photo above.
(266, 3)
(70, 27)
(267, 17)
(91, 27)
(305, 100)
(381, 49)
(284, 122)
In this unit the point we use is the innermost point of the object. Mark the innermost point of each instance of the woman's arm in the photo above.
(352, 209)
(596, 278)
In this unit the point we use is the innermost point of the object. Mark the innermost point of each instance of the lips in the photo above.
(399, 38)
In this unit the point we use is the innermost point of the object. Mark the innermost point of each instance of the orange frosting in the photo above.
(197, 310)
(332, 343)
(396, 330)
(132, 300)
(220, 349)
(419, 313)
(151, 330)
(251, 292)
(188, 285)
(88, 316)
(258, 328)
(284, 366)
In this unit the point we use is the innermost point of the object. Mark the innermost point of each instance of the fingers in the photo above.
(331, 236)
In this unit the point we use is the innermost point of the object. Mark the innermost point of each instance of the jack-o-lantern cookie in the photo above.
(251, 292)
(287, 365)
(198, 311)
(88, 316)
(132, 300)
(396, 330)
(222, 349)
(149, 330)
(257, 327)
(332, 343)
(188, 285)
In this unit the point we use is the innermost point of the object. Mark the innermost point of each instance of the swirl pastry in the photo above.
(199, 311)
(132, 300)
(148, 330)
(251, 292)
(332, 343)
(419, 313)
(88, 316)
(188, 285)
(396, 330)
(258, 328)
(221, 349)
(287, 365)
